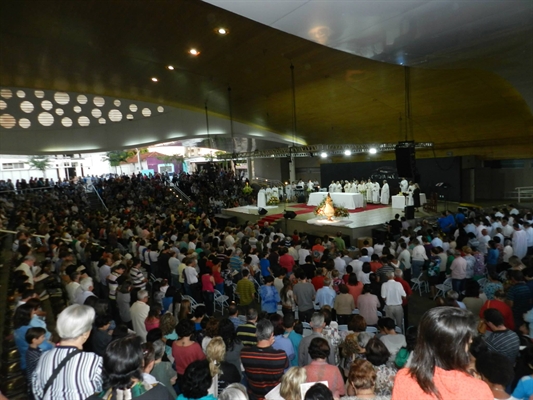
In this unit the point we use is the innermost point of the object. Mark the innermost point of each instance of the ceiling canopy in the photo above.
(116, 48)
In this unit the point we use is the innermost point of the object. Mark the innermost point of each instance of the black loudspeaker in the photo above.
(262, 211)
(406, 162)
(289, 215)
(409, 212)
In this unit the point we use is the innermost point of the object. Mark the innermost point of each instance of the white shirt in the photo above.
(370, 250)
(27, 271)
(105, 270)
(405, 258)
(357, 266)
(340, 265)
(173, 264)
(302, 254)
(419, 253)
(191, 275)
(139, 311)
(392, 292)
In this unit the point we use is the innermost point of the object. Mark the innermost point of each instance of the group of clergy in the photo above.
(371, 190)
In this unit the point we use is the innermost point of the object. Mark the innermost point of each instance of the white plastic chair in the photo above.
(355, 311)
(420, 284)
(482, 282)
(442, 288)
(220, 300)
(343, 328)
(194, 303)
(371, 329)
(307, 329)
(380, 314)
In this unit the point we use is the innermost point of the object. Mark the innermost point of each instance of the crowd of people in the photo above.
(162, 302)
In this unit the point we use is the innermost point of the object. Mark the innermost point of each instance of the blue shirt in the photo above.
(283, 343)
(236, 263)
(269, 299)
(492, 256)
(264, 264)
(295, 339)
(524, 389)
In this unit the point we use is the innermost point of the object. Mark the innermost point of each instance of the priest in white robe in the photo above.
(369, 187)
(404, 185)
(332, 187)
(361, 187)
(355, 186)
(261, 199)
(375, 193)
(410, 190)
(347, 187)
(338, 187)
(519, 242)
(385, 193)
(310, 186)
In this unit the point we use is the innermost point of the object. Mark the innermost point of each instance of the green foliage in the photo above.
(118, 156)
(42, 163)
(172, 159)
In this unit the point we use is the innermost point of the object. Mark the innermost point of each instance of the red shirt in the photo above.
(345, 278)
(355, 291)
(286, 261)
(501, 307)
(406, 287)
(374, 266)
(318, 282)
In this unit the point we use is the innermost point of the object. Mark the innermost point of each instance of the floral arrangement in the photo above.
(340, 212)
(273, 201)
(247, 190)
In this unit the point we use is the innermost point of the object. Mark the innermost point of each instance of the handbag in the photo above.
(482, 326)
(57, 370)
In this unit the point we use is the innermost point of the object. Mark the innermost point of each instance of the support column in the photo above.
(292, 169)
(251, 168)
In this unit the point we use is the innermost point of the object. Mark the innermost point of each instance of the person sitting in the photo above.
(123, 373)
(497, 371)
(320, 370)
(361, 383)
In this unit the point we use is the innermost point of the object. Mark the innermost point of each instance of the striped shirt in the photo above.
(80, 378)
(137, 278)
(246, 334)
(504, 342)
(264, 368)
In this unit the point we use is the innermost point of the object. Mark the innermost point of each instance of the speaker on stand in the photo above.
(406, 159)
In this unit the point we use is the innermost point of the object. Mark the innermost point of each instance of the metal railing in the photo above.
(181, 193)
(89, 187)
(524, 192)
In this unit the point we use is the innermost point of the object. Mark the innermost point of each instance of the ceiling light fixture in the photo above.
(323, 154)
(222, 31)
(194, 52)
(372, 150)
(154, 79)
(170, 67)
(347, 152)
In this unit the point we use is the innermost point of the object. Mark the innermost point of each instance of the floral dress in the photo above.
(384, 380)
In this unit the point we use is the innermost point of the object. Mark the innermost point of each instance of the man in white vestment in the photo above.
(519, 242)
(310, 186)
(385, 193)
(261, 198)
(361, 187)
(404, 185)
(332, 187)
(410, 190)
(369, 188)
(355, 187)
(338, 187)
(375, 193)
(347, 187)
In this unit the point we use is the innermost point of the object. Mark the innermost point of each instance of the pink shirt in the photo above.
(368, 305)
(320, 370)
(207, 285)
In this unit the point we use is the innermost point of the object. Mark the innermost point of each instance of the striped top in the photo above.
(80, 378)
(137, 278)
(246, 334)
(264, 368)
(504, 342)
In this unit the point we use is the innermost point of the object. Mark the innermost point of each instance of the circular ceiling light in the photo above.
(347, 152)
(21, 94)
(45, 119)
(6, 93)
(117, 103)
(7, 121)
(39, 94)
(170, 67)
(98, 101)
(115, 115)
(194, 52)
(82, 99)
(77, 109)
(372, 150)
(129, 116)
(67, 122)
(102, 121)
(24, 123)
(133, 107)
(222, 31)
(154, 79)
(3, 105)
(160, 109)
(26, 106)
(323, 154)
(146, 112)
(59, 111)
(61, 98)
(96, 112)
(84, 121)
(46, 104)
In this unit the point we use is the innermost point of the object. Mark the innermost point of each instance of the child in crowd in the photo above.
(34, 337)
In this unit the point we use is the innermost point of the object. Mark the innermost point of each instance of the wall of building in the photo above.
(499, 180)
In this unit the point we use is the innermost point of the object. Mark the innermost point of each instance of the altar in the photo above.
(401, 201)
(351, 201)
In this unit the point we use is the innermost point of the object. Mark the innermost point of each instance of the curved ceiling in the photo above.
(115, 50)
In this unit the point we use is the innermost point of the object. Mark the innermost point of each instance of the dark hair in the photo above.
(121, 331)
(123, 360)
(34, 333)
(478, 346)
(366, 268)
(443, 335)
(185, 328)
(352, 280)
(199, 311)
(268, 279)
(495, 368)
(22, 315)
(288, 320)
(34, 302)
(154, 334)
(102, 320)
(376, 352)
(319, 348)
(495, 316)
(226, 330)
(343, 288)
(196, 380)
(410, 337)
(367, 288)
(318, 391)
(148, 353)
(471, 289)
(299, 327)
(357, 324)
(211, 328)
(387, 323)
(233, 309)
(277, 322)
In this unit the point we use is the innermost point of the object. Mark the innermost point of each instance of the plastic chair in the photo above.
(355, 311)
(343, 328)
(371, 329)
(194, 303)
(442, 288)
(220, 300)
(420, 284)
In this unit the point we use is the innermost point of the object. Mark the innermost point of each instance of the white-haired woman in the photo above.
(78, 375)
